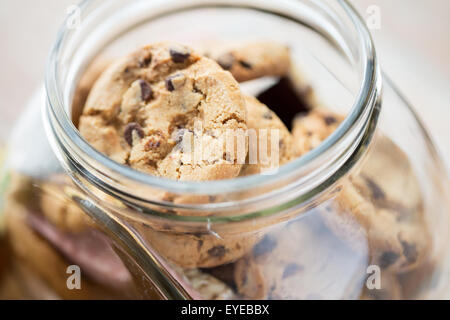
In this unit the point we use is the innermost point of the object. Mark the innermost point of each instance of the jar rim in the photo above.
(368, 92)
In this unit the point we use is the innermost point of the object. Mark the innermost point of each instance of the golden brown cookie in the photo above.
(40, 257)
(59, 209)
(143, 108)
(394, 243)
(311, 129)
(370, 207)
(264, 122)
(301, 260)
(201, 250)
(255, 60)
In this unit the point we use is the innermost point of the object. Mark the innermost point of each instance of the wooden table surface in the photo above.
(413, 45)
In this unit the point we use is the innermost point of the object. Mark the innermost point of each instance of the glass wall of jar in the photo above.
(364, 214)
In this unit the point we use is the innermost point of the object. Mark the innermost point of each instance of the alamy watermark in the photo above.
(373, 21)
(374, 279)
(74, 280)
(227, 146)
(73, 17)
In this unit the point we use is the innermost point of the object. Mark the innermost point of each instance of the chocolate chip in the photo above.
(245, 64)
(199, 244)
(146, 90)
(329, 120)
(266, 245)
(388, 258)
(291, 269)
(377, 192)
(217, 251)
(226, 61)
(129, 129)
(144, 61)
(410, 251)
(175, 81)
(179, 54)
(268, 115)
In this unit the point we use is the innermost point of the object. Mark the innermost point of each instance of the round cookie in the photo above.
(256, 60)
(395, 243)
(301, 260)
(144, 106)
(382, 203)
(312, 129)
(262, 118)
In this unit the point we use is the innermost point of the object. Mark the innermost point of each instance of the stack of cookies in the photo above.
(145, 111)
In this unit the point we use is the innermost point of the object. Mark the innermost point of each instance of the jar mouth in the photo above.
(118, 179)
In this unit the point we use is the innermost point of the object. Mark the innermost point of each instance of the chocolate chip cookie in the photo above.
(265, 126)
(311, 129)
(146, 104)
(387, 211)
(380, 204)
(301, 260)
(255, 60)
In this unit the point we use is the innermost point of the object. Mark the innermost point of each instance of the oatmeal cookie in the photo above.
(145, 104)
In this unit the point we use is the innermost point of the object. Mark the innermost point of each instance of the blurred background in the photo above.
(412, 41)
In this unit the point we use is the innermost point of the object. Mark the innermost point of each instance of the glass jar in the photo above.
(364, 215)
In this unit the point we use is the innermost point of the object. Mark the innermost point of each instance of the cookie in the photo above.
(311, 129)
(263, 122)
(144, 107)
(60, 210)
(301, 260)
(256, 60)
(31, 239)
(398, 238)
(377, 207)
(388, 179)
(201, 250)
